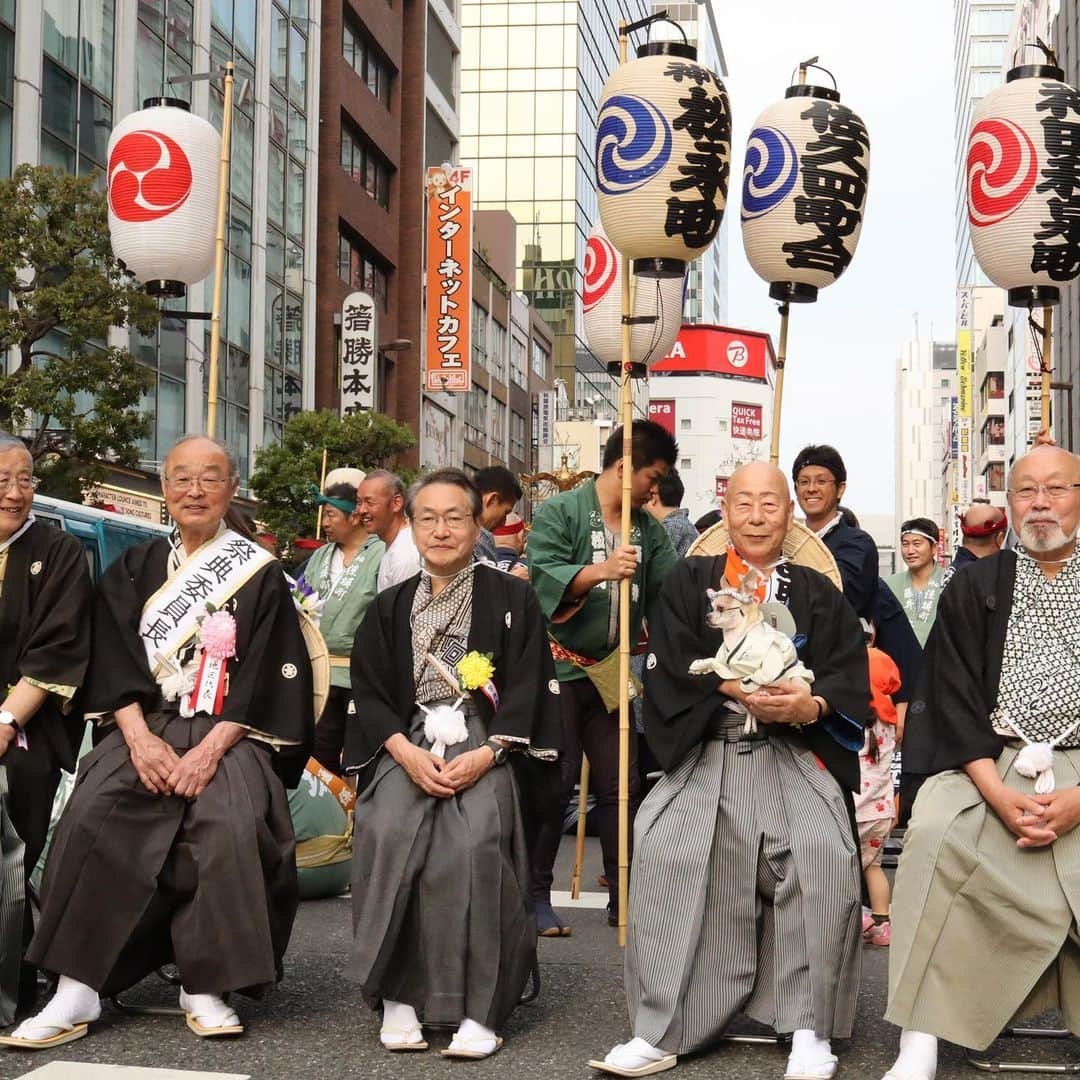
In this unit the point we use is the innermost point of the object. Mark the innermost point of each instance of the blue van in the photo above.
(102, 533)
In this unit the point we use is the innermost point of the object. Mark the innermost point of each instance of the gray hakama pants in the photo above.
(744, 897)
(135, 880)
(983, 931)
(441, 918)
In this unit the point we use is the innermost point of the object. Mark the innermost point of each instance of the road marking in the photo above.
(74, 1070)
(586, 900)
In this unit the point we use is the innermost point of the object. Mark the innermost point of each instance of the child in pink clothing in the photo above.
(874, 805)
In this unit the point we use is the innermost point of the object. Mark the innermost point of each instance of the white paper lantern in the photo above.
(163, 195)
(657, 299)
(804, 191)
(1022, 196)
(663, 158)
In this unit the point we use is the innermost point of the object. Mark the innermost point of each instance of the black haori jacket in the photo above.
(678, 706)
(270, 682)
(45, 632)
(507, 624)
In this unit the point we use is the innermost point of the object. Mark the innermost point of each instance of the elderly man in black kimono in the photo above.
(745, 893)
(457, 708)
(44, 648)
(177, 842)
(988, 888)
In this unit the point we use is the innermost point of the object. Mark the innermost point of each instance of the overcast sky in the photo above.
(893, 65)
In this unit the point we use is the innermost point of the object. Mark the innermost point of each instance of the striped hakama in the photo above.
(745, 896)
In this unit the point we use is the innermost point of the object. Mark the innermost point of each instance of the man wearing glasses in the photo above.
(44, 649)
(991, 864)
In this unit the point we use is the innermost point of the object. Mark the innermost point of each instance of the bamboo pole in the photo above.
(778, 393)
(219, 254)
(322, 484)
(1047, 363)
(627, 411)
(579, 849)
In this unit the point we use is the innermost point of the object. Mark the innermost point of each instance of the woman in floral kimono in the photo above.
(457, 712)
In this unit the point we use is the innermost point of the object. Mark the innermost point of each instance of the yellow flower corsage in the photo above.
(475, 670)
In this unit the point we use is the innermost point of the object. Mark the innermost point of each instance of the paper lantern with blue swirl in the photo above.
(661, 298)
(663, 156)
(769, 173)
(805, 179)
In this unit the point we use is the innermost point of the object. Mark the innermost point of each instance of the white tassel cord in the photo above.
(444, 726)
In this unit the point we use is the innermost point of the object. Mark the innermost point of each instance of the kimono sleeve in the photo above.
(57, 648)
(660, 559)
(856, 558)
(677, 706)
(552, 564)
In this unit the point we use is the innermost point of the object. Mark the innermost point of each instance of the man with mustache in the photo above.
(991, 862)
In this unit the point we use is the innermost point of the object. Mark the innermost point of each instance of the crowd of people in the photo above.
(473, 662)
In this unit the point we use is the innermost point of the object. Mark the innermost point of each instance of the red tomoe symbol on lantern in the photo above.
(149, 176)
(1002, 167)
(600, 267)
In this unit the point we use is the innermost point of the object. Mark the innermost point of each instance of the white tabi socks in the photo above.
(73, 1003)
(635, 1054)
(208, 1010)
(810, 1057)
(400, 1025)
(918, 1057)
(473, 1036)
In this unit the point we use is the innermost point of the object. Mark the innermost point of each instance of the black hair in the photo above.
(649, 442)
(499, 479)
(847, 517)
(921, 525)
(445, 476)
(671, 489)
(342, 491)
(709, 519)
(826, 457)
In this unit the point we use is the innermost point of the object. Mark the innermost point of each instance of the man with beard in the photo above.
(991, 863)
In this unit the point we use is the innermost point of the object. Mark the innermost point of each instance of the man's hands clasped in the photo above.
(436, 777)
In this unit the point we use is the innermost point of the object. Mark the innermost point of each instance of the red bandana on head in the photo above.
(737, 568)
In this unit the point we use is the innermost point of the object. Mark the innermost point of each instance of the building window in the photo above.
(517, 362)
(479, 336)
(7, 90)
(684, 425)
(365, 164)
(498, 427)
(497, 360)
(994, 431)
(517, 436)
(364, 58)
(476, 416)
(441, 57)
(540, 358)
(995, 476)
(685, 464)
(362, 270)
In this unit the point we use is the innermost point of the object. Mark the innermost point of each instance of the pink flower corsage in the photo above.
(218, 635)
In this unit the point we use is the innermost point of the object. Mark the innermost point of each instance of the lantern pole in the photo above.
(1045, 364)
(579, 847)
(219, 254)
(322, 486)
(778, 392)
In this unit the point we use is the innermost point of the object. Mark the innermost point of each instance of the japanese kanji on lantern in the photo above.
(163, 179)
(804, 191)
(656, 307)
(663, 158)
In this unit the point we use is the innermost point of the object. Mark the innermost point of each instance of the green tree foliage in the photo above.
(285, 473)
(58, 272)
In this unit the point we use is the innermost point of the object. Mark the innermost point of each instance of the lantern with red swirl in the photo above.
(804, 191)
(1023, 198)
(163, 195)
(657, 300)
(663, 156)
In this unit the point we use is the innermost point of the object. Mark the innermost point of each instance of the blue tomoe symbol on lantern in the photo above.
(633, 143)
(770, 172)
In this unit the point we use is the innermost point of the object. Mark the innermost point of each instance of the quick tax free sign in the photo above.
(746, 421)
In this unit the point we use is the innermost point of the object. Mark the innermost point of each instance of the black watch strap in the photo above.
(501, 752)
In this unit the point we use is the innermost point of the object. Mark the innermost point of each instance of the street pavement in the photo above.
(315, 1024)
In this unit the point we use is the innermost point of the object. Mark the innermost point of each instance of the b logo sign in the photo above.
(737, 354)
(149, 176)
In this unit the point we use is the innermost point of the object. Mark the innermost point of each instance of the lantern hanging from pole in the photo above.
(1023, 184)
(163, 195)
(663, 157)
(657, 303)
(804, 191)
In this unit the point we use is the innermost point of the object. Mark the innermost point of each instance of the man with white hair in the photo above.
(991, 863)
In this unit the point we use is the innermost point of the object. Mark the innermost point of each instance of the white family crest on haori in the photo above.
(753, 650)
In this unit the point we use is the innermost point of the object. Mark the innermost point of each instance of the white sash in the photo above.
(211, 575)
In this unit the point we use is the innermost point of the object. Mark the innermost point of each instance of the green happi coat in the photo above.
(567, 535)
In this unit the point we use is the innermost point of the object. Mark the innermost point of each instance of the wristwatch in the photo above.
(9, 719)
(501, 752)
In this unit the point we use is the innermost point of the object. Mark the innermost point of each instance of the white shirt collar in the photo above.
(827, 527)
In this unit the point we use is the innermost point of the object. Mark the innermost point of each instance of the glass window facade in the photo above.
(363, 162)
(362, 270)
(476, 411)
(7, 83)
(479, 336)
(517, 436)
(366, 60)
(518, 374)
(441, 56)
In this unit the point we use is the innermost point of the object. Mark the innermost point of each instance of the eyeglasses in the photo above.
(23, 483)
(209, 484)
(454, 522)
(1029, 491)
(805, 483)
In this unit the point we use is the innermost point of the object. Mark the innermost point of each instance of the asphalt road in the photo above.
(315, 1025)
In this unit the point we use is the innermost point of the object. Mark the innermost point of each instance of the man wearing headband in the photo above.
(344, 575)
(745, 893)
(509, 544)
(985, 902)
(499, 493)
(984, 528)
(918, 588)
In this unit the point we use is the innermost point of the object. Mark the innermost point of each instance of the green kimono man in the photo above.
(343, 578)
(576, 560)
